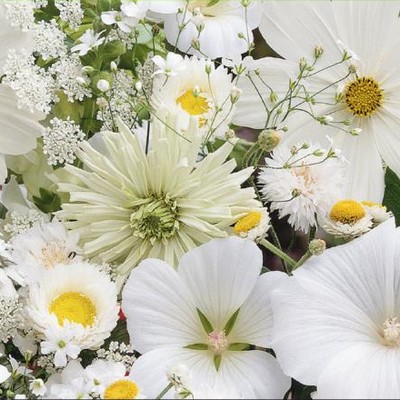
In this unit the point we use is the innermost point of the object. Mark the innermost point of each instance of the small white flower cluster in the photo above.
(33, 86)
(20, 14)
(118, 352)
(20, 223)
(71, 78)
(61, 140)
(11, 317)
(49, 40)
(70, 12)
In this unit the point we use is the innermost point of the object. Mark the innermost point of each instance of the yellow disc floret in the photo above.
(248, 222)
(193, 102)
(363, 96)
(347, 212)
(73, 307)
(122, 389)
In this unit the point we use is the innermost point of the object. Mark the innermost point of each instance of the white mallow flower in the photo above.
(221, 22)
(336, 321)
(129, 205)
(41, 248)
(172, 65)
(196, 93)
(302, 182)
(203, 315)
(89, 40)
(369, 98)
(60, 340)
(18, 127)
(347, 219)
(78, 293)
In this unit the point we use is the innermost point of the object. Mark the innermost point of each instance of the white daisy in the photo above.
(202, 316)
(378, 212)
(199, 91)
(78, 293)
(301, 182)
(347, 219)
(369, 98)
(221, 22)
(129, 205)
(19, 128)
(336, 320)
(254, 225)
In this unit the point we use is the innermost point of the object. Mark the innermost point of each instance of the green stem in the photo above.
(273, 249)
(302, 260)
(165, 391)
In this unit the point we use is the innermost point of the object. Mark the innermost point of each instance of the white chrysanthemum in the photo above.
(347, 219)
(43, 247)
(254, 225)
(369, 98)
(195, 93)
(301, 182)
(221, 24)
(78, 293)
(130, 205)
(336, 320)
(378, 212)
(203, 315)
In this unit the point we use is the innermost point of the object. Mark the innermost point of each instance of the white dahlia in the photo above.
(128, 205)
(368, 99)
(205, 316)
(78, 294)
(198, 91)
(336, 321)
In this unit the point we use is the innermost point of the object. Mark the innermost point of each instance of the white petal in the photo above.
(365, 371)
(254, 322)
(159, 308)
(60, 358)
(256, 375)
(4, 373)
(334, 301)
(221, 274)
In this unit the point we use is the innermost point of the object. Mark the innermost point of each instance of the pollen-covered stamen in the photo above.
(54, 253)
(218, 342)
(391, 332)
(248, 222)
(363, 96)
(347, 212)
(121, 389)
(193, 102)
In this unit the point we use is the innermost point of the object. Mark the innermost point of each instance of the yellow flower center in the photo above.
(248, 222)
(122, 389)
(193, 103)
(347, 212)
(363, 96)
(73, 307)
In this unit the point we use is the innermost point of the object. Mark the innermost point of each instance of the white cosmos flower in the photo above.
(130, 205)
(172, 65)
(88, 41)
(300, 184)
(194, 93)
(19, 128)
(202, 315)
(222, 23)
(370, 99)
(336, 320)
(78, 293)
(42, 247)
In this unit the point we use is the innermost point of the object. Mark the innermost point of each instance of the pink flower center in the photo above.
(217, 341)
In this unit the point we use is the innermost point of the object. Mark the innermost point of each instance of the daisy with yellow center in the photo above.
(254, 225)
(347, 219)
(79, 295)
(363, 91)
(378, 212)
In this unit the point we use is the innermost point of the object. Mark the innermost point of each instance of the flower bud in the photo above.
(318, 51)
(316, 247)
(269, 139)
(230, 134)
(113, 66)
(138, 86)
(324, 120)
(235, 94)
(355, 131)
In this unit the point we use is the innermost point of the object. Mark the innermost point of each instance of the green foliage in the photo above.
(229, 325)
(217, 361)
(48, 201)
(392, 194)
(205, 322)
(197, 346)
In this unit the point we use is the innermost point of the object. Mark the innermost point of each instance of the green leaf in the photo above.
(229, 325)
(205, 322)
(48, 201)
(197, 346)
(392, 194)
(239, 347)
(217, 361)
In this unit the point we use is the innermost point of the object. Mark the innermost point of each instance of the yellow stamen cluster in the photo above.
(193, 103)
(73, 307)
(248, 222)
(347, 212)
(122, 389)
(363, 96)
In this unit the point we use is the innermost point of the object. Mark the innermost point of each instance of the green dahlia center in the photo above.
(155, 219)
